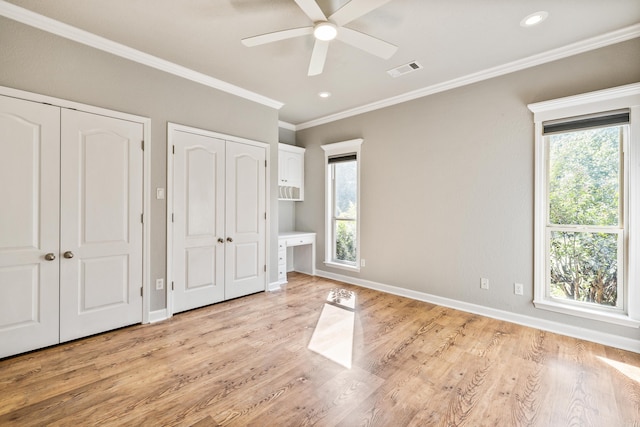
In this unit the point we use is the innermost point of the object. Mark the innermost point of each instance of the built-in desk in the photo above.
(300, 248)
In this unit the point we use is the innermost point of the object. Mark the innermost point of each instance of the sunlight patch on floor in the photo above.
(333, 335)
(630, 371)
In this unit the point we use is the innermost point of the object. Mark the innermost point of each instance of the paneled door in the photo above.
(101, 224)
(198, 214)
(29, 224)
(245, 263)
(218, 213)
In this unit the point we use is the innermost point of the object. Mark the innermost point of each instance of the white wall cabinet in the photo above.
(71, 235)
(290, 172)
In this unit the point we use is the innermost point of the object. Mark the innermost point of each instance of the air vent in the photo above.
(404, 69)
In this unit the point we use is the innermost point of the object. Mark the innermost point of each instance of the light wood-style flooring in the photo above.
(246, 362)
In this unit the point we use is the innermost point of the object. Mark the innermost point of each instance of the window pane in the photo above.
(584, 177)
(345, 241)
(584, 267)
(346, 189)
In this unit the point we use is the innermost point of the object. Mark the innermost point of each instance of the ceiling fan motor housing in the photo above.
(325, 31)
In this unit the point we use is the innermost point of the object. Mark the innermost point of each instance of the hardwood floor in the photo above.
(246, 362)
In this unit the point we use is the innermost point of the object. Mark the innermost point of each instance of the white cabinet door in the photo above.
(198, 228)
(29, 224)
(282, 173)
(289, 168)
(290, 172)
(245, 220)
(100, 228)
(293, 169)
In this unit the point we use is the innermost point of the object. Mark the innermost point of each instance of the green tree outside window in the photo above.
(585, 192)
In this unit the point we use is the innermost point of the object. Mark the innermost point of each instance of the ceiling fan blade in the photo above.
(275, 36)
(367, 43)
(354, 10)
(312, 10)
(318, 56)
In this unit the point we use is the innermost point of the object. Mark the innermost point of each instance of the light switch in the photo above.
(159, 193)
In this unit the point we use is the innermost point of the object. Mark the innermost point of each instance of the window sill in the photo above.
(342, 266)
(615, 318)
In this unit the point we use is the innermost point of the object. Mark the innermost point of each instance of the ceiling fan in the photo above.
(326, 29)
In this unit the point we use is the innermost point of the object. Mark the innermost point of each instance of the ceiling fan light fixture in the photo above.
(534, 19)
(324, 94)
(325, 31)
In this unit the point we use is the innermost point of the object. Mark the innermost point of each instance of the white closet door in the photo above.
(29, 195)
(245, 220)
(100, 228)
(198, 228)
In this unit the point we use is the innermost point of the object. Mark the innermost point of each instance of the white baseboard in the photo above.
(274, 286)
(158, 315)
(533, 322)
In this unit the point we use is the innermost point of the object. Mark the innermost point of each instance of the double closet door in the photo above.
(70, 224)
(219, 218)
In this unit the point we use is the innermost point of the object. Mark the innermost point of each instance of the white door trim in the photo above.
(171, 127)
(146, 173)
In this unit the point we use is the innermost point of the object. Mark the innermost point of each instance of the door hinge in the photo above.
(265, 268)
(265, 215)
(172, 218)
(173, 149)
(265, 163)
(142, 144)
(140, 290)
(142, 218)
(171, 285)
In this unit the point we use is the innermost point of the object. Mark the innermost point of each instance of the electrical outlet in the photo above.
(159, 284)
(484, 283)
(362, 262)
(518, 288)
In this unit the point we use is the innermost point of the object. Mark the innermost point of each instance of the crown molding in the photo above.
(286, 125)
(58, 28)
(597, 42)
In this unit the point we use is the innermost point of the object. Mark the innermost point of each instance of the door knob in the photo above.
(220, 240)
(50, 256)
(68, 255)
(229, 239)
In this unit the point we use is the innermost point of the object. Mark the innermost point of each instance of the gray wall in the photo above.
(286, 215)
(287, 136)
(447, 187)
(39, 62)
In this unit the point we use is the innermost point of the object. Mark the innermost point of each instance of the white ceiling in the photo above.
(455, 40)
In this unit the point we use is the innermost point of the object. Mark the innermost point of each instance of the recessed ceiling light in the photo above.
(325, 31)
(534, 19)
(324, 94)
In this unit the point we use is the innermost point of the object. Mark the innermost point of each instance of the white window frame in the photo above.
(618, 98)
(352, 146)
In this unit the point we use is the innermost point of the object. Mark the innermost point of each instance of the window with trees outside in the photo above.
(586, 215)
(342, 204)
(586, 255)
